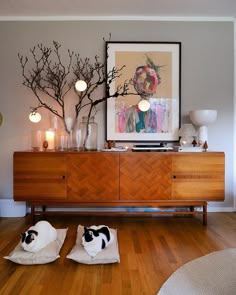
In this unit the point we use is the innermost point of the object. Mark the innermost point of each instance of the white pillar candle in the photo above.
(50, 138)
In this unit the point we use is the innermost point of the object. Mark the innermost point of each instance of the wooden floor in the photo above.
(151, 249)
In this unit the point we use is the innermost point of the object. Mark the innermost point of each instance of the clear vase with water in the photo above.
(88, 134)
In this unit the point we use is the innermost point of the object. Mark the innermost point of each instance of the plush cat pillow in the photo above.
(96, 238)
(38, 236)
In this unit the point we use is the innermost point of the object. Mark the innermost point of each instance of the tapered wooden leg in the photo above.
(205, 214)
(32, 214)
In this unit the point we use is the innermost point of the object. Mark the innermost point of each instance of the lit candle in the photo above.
(50, 138)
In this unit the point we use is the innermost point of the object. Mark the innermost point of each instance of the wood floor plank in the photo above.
(151, 249)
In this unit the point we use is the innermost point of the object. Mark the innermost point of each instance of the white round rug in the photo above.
(212, 274)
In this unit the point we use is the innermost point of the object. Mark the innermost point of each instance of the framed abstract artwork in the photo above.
(157, 68)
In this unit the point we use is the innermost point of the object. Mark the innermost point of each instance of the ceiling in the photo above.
(116, 8)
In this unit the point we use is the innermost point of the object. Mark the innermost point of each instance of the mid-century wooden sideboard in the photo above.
(154, 181)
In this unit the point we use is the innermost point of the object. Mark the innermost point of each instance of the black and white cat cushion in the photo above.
(96, 238)
(95, 245)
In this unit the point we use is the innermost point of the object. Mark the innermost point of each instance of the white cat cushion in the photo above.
(38, 236)
(46, 255)
(109, 254)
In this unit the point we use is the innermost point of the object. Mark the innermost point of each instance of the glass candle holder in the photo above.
(36, 140)
(62, 143)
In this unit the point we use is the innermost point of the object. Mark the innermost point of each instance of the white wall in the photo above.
(207, 76)
(234, 162)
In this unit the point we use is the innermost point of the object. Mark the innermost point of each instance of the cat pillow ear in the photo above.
(22, 236)
(31, 231)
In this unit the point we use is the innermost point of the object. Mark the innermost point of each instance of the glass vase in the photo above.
(88, 134)
(36, 140)
(62, 141)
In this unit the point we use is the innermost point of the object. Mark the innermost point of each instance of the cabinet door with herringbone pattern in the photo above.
(93, 177)
(145, 176)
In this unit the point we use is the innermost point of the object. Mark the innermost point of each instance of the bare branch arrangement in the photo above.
(94, 74)
(50, 80)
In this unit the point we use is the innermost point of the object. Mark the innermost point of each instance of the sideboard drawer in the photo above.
(198, 176)
(39, 176)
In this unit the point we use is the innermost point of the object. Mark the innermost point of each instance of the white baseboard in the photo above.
(9, 208)
(220, 209)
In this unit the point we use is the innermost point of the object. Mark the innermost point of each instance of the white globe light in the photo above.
(34, 117)
(80, 85)
(144, 105)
